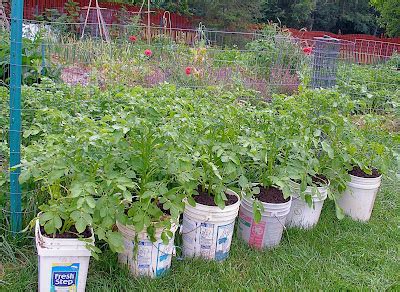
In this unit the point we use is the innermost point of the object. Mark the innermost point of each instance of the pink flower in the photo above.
(148, 52)
(132, 38)
(188, 71)
(307, 50)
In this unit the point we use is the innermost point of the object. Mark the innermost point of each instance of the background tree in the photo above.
(330, 15)
(229, 14)
(389, 15)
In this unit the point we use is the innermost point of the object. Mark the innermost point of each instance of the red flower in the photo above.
(132, 38)
(188, 70)
(148, 53)
(307, 50)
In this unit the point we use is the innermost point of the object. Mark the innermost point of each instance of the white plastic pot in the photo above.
(302, 215)
(149, 258)
(63, 262)
(268, 232)
(207, 230)
(358, 199)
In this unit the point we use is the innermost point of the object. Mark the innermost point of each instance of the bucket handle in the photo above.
(206, 219)
(173, 251)
(284, 227)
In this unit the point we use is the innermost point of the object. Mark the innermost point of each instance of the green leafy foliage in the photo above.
(33, 68)
(389, 15)
(133, 155)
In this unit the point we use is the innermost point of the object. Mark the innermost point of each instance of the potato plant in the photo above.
(133, 155)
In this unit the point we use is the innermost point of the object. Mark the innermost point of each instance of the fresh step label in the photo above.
(64, 277)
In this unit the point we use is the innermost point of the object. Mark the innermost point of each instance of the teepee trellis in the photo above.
(103, 31)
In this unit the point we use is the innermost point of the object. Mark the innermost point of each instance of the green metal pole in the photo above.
(17, 9)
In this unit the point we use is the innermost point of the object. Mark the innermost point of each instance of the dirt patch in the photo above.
(75, 75)
(72, 233)
(356, 171)
(271, 195)
(205, 199)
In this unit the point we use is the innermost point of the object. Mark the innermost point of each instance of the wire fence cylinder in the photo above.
(324, 67)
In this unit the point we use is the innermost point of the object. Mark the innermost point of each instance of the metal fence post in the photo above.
(15, 113)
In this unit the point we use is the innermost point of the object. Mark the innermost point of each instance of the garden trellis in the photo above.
(267, 64)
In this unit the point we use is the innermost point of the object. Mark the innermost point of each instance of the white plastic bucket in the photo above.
(207, 230)
(63, 262)
(150, 259)
(301, 215)
(358, 199)
(268, 232)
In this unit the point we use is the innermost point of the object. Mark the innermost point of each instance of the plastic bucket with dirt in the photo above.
(144, 257)
(63, 262)
(358, 199)
(268, 232)
(301, 214)
(207, 230)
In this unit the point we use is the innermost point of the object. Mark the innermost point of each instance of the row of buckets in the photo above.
(206, 231)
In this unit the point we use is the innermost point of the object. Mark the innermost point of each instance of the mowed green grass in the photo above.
(334, 255)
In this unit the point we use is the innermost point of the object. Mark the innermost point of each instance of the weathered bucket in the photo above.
(63, 262)
(150, 259)
(207, 230)
(359, 198)
(302, 215)
(268, 232)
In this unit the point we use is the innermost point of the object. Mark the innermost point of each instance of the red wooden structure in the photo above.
(35, 7)
(360, 48)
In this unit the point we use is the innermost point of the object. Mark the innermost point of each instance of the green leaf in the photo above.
(243, 182)
(164, 238)
(91, 202)
(24, 176)
(191, 201)
(52, 225)
(328, 149)
(257, 216)
(76, 189)
(80, 225)
(339, 212)
(148, 194)
(215, 170)
(115, 241)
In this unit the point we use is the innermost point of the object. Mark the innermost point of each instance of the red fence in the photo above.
(348, 37)
(367, 49)
(35, 7)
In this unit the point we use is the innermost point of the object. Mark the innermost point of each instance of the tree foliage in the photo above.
(227, 14)
(330, 15)
(389, 15)
(338, 16)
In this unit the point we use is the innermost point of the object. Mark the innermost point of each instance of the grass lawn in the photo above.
(335, 255)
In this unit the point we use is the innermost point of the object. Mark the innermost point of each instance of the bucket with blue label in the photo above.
(63, 263)
(144, 257)
(207, 230)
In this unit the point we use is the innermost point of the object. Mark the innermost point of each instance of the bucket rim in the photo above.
(227, 208)
(251, 199)
(366, 178)
(38, 234)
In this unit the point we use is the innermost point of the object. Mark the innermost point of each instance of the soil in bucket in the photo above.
(271, 195)
(357, 171)
(71, 233)
(205, 199)
(266, 233)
